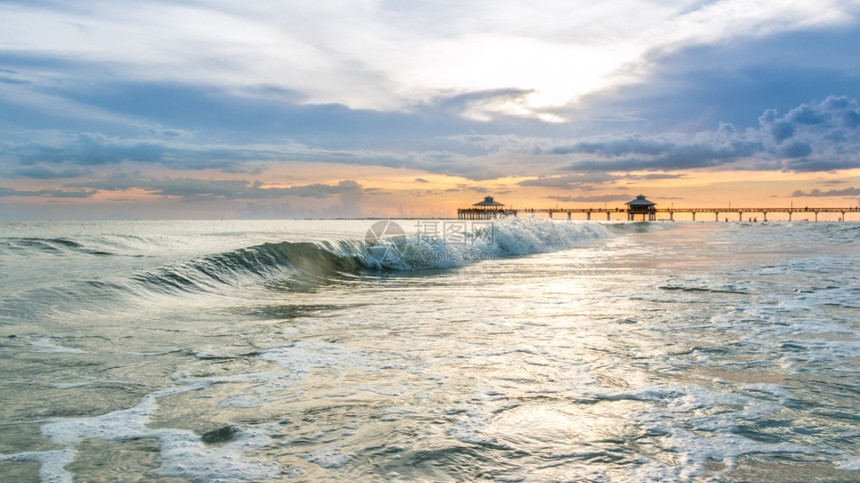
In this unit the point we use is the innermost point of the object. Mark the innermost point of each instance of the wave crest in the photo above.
(294, 265)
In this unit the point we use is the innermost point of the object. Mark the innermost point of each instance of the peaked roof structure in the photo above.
(640, 202)
(488, 201)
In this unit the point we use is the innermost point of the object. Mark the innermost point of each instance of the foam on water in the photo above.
(682, 416)
(329, 457)
(183, 453)
(499, 239)
(52, 463)
(46, 346)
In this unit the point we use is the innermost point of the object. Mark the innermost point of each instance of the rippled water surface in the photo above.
(526, 350)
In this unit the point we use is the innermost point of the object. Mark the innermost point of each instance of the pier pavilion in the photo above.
(482, 210)
(641, 206)
(489, 204)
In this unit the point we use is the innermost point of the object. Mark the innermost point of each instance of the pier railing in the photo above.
(483, 213)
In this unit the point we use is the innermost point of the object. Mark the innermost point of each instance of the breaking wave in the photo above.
(309, 262)
(299, 264)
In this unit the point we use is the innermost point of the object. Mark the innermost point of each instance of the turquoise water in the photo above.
(520, 350)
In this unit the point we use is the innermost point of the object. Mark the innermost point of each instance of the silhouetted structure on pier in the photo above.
(482, 210)
(641, 206)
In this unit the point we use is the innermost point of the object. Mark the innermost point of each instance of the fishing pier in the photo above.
(647, 210)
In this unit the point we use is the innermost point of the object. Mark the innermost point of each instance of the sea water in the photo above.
(429, 350)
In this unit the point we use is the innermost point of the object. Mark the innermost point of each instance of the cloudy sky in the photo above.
(264, 109)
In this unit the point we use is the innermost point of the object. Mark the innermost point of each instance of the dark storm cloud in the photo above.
(475, 102)
(36, 158)
(654, 176)
(591, 199)
(8, 76)
(87, 149)
(695, 88)
(618, 147)
(95, 149)
(818, 136)
(251, 115)
(47, 193)
(425, 138)
(797, 149)
(849, 192)
(678, 154)
(43, 172)
(194, 189)
(555, 182)
(580, 181)
(779, 129)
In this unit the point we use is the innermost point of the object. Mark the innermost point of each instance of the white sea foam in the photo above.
(850, 463)
(46, 345)
(300, 359)
(182, 452)
(497, 239)
(53, 463)
(304, 356)
(71, 385)
(697, 425)
(184, 455)
(329, 457)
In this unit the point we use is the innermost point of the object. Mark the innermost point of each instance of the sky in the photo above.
(379, 108)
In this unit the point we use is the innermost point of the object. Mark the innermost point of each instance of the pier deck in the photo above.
(483, 213)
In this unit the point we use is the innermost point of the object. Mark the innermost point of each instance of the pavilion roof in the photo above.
(488, 201)
(640, 201)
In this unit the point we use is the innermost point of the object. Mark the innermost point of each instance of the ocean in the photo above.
(429, 350)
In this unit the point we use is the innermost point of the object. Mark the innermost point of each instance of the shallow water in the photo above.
(532, 351)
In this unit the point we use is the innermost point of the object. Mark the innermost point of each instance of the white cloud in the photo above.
(388, 55)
